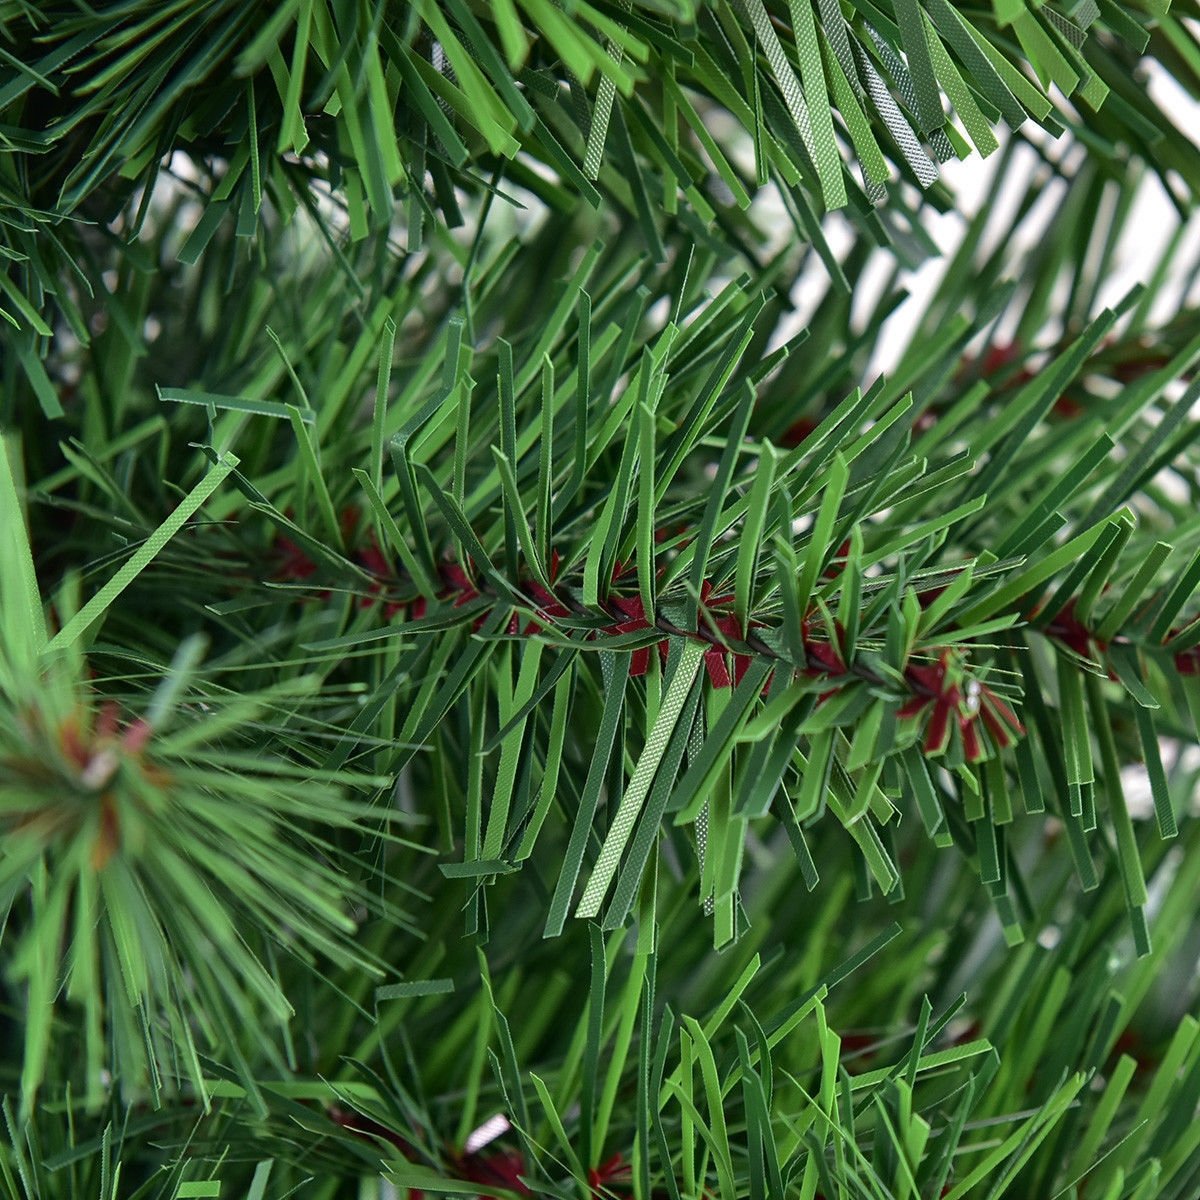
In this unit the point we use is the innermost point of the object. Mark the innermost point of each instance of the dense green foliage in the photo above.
(500, 695)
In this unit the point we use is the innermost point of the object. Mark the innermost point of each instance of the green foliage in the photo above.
(500, 695)
(155, 868)
(637, 109)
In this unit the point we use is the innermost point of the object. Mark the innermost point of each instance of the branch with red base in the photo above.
(944, 686)
(942, 690)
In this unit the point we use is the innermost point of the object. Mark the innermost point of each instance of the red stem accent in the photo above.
(939, 688)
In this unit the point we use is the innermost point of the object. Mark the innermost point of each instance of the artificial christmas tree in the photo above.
(504, 695)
